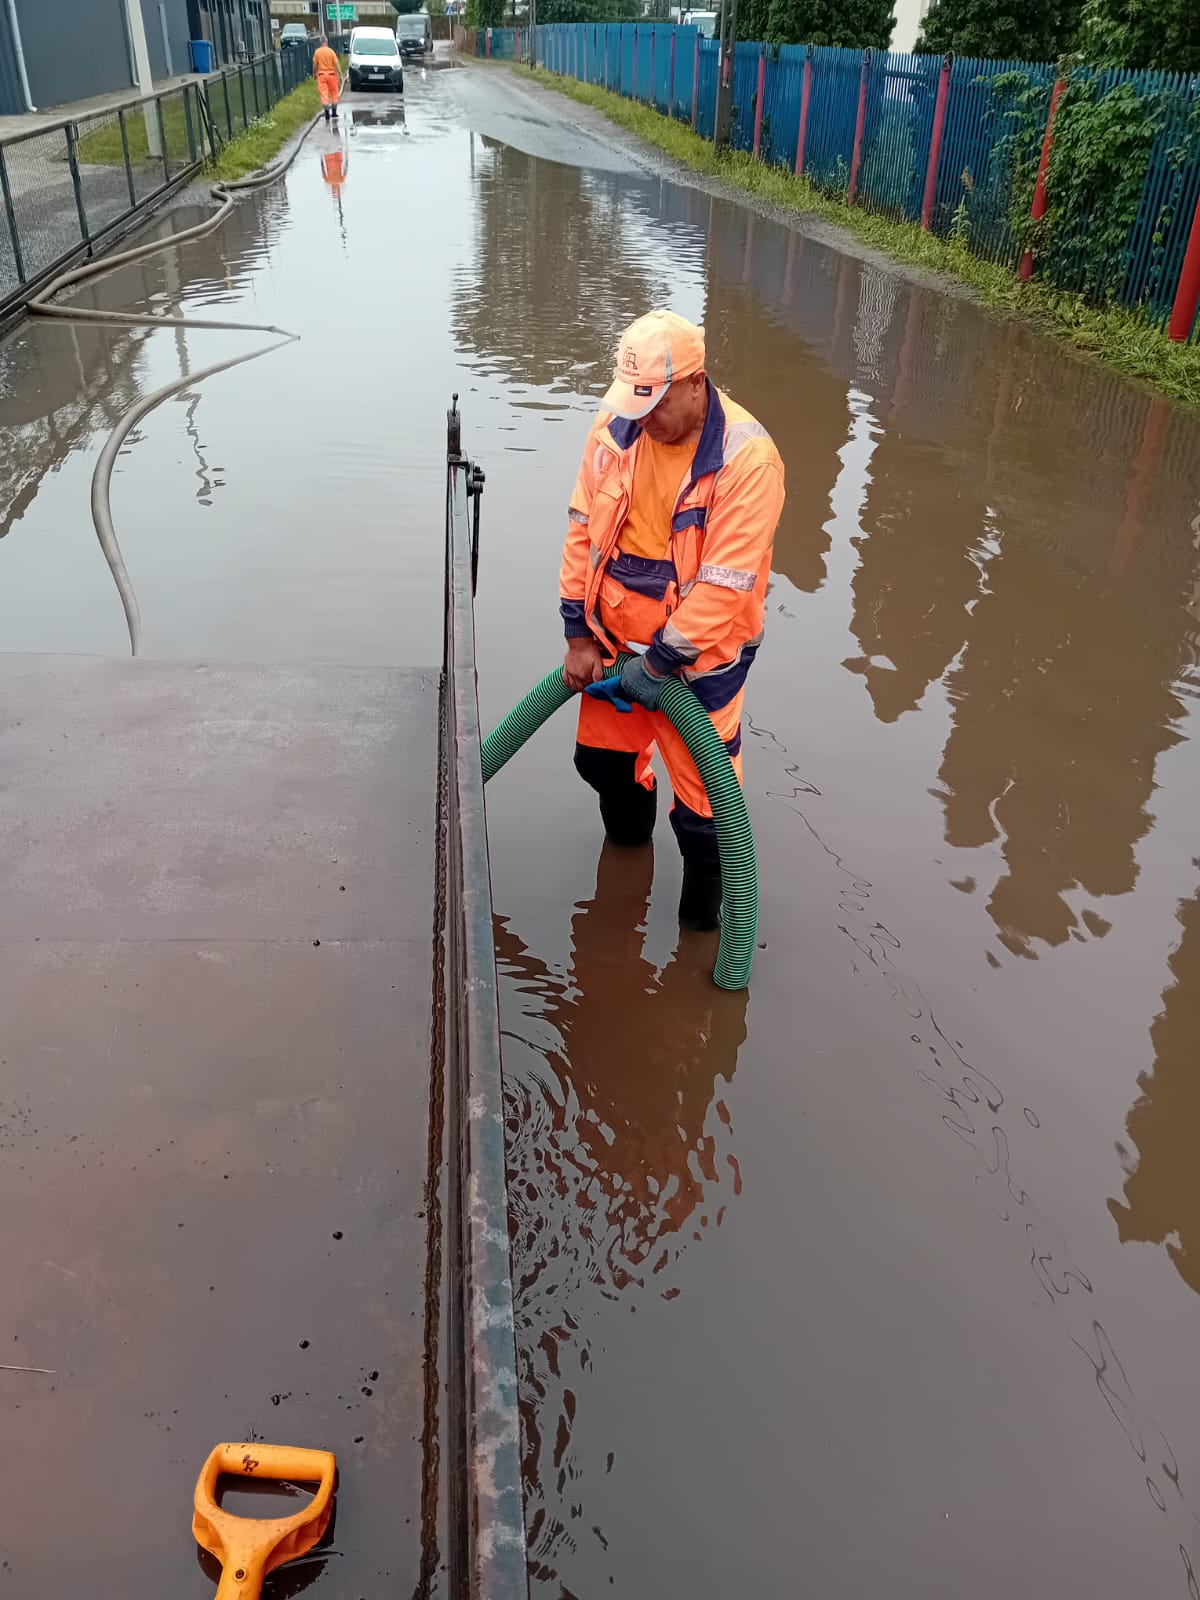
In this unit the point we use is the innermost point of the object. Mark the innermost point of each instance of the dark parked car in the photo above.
(414, 34)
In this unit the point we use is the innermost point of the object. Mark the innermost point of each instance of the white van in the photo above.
(375, 60)
(705, 23)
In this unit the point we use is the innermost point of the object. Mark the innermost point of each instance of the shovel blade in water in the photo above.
(248, 1548)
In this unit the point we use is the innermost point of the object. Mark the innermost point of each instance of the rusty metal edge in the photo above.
(488, 1558)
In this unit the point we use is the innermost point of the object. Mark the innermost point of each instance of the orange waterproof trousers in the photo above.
(329, 85)
(603, 727)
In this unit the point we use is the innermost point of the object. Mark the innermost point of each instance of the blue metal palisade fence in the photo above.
(963, 174)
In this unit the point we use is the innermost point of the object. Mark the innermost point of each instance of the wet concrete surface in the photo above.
(215, 918)
(882, 1278)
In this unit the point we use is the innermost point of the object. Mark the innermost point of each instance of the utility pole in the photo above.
(723, 125)
(136, 24)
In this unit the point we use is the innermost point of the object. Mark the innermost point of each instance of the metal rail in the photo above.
(69, 188)
(487, 1557)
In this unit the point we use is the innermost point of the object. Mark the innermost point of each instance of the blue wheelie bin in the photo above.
(200, 51)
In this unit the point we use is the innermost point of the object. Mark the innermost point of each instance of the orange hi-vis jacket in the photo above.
(711, 587)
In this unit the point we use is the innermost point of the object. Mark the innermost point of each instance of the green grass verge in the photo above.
(1118, 338)
(245, 152)
(263, 140)
(103, 147)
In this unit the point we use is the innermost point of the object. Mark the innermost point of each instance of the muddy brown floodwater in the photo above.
(884, 1278)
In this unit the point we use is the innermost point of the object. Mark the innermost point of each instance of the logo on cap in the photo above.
(628, 360)
(643, 388)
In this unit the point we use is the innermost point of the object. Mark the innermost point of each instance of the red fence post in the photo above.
(1038, 209)
(935, 140)
(487, 49)
(695, 77)
(758, 99)
(671, 78)
(1187, 293)
(860, 124)
(805, 97)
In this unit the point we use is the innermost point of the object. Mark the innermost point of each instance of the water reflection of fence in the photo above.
(949, 144)
(69, 187)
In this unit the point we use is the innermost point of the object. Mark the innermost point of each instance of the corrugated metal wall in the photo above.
(174, 14)
(11, 99)
(74, 49)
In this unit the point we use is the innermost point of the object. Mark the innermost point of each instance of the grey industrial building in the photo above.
(73, 49)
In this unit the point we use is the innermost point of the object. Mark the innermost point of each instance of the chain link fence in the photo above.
(67, 187)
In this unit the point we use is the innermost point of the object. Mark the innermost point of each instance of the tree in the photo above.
(1142, 33)
(853, 24)
(1005, 30)
(407, 7)
(589, 11)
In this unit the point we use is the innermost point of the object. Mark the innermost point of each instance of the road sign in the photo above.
(340, 12)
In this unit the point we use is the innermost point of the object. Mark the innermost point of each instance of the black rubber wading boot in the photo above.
(700, 901)
(628, 814)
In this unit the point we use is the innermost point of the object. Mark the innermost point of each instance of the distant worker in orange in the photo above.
(668, 552)
(328, 72)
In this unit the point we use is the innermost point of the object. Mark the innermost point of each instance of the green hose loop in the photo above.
(739, 870)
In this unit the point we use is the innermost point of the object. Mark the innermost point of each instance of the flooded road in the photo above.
(885, 1277)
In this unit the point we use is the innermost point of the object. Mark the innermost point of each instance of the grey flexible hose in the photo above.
(40, 305)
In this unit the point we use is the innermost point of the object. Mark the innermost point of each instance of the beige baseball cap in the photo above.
(655, 352)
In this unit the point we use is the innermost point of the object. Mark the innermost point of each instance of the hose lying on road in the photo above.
(739, 869)
(41, 305)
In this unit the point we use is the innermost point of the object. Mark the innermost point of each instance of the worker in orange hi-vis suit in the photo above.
(328, 73)
(668, 552)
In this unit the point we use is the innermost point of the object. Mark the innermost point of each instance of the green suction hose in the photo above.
(739, 870)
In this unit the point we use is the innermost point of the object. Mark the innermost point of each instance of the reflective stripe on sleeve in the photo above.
(727, 577)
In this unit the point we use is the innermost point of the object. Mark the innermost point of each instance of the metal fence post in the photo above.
(1038, 209)
(228, 112)
(187, 117)
(242, 88)
(653, 96)
(758, 97)
(805, 101)
(128, 162)
(935, 140)
(73, 161)
(633, 95)
(695, 77)
(671, 78)
(254, 86)
(859, 126)
(10, 213)
(162, 136)
(1187, 292)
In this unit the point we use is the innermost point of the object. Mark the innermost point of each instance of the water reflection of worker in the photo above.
(643, 1051)
(335, 165)
(327, 70)
(668, 551)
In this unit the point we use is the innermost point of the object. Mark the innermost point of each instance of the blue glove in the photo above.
(637, 685)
